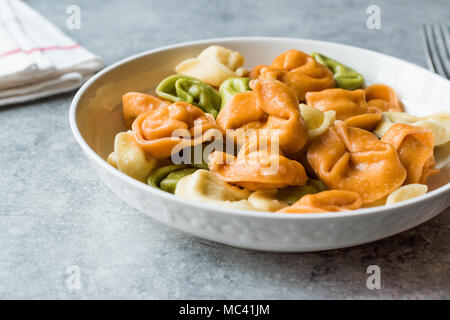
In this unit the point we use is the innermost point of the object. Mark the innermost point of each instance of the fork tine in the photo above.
(427, 48)
(442, 49)
(446, 36)
(432, 56)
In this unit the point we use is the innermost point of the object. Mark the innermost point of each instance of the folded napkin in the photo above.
(36, 58)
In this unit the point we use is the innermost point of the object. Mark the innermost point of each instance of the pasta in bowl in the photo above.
(271, 145)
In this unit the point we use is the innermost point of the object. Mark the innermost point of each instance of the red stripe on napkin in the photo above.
(39, 49)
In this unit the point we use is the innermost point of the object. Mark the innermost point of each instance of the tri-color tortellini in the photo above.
(325, 201)
(438, 123)
(294, 193)
(383, 98)
(350, 106)
(206, 187)
(129, 158)
(233, 86)
(166, 178)
(414, 145)
(270, 108)
(183, 88)
(344, 77)
(301, 135)
(353, 159)
(213, 65)
(135, 103)
(169, 129)
(301, 72)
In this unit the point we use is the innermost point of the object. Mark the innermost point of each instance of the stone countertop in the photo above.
(56, 213)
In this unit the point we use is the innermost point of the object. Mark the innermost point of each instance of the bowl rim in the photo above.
(222, 209)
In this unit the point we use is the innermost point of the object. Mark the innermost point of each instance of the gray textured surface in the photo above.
(55, 211)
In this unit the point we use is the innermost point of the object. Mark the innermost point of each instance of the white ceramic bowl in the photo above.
(95, 118)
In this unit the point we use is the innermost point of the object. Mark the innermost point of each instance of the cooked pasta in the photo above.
(354, 159)
(135, 103)
(438, 123)
(442, 155)
(166, 178)
(316, 121)
(191, 90)
(415, 149)
(345, 77)
(256, 169)
(350, 106)
(213, 65)
(266, 200)
(233, 86)
(154, 130)
(293, 193)
(406, 192)
(129, 158)
(206, 187)
(383, 98)
(272, 107)
(301, 135)
(299, 71)
(332, 200)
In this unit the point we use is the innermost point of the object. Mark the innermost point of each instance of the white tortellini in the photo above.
(206, 187)
(213, 65)
(442, 155)
(129, 158)
(316, 121)
(406, 192)
(265, 200)
(439, 123)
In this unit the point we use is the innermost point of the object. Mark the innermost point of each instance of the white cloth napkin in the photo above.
(36, 58)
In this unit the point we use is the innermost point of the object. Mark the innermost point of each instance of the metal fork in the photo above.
(436, 40)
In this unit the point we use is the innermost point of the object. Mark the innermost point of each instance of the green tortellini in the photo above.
(188, 89)
(233, 86)
(166, 178)
(345, 77)
(293, 193)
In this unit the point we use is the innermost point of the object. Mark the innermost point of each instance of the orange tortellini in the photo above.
(299, 71)
(415, 149)
(439, 123)
(331, 200)
(350, 106)
(383, 98)
(135, 103)
(257, 169)
(166, 130)
(270, 107)
(353, 159)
